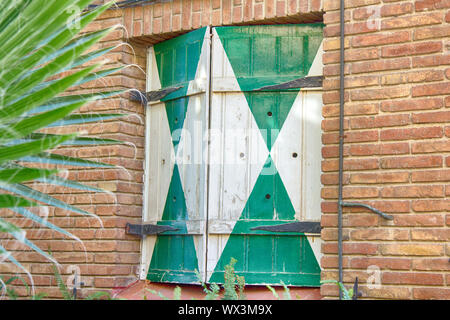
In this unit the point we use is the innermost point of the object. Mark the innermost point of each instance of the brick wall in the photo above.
(108, 258)
(396, 146)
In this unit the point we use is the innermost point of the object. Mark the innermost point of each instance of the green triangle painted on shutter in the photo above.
(269, 198)
(270, 110)
(268, 55)
(174, 257)
(176, 114)
(177, 60)
(264, 259)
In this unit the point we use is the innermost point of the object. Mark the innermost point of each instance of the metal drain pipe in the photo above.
(341, 140)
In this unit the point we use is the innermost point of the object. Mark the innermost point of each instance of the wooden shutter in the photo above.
(261, 162)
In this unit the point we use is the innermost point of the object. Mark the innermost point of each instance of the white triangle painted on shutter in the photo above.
(286, 145)
(315, 243)
(317, 65)
(160, 162)
(237, 154)
(191, 148)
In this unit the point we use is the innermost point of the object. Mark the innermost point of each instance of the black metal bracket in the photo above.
(146, 97)
(356, 293)
(76, 284)
(355, 204)
(301, 226)
(304, 82)
(143, 230)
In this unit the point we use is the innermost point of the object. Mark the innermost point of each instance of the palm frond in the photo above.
(41, 45)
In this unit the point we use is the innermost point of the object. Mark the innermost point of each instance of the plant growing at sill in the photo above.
(347, 294)
(42, 55)
(231, 283)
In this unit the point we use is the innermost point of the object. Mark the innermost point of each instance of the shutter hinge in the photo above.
(143, 230)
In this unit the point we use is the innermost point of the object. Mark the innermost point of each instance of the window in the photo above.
(228, 164)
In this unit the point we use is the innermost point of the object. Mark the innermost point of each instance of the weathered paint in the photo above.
(266, 185)
(181, 61)
(258, 172)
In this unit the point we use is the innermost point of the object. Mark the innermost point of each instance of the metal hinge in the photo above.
(304, 82)
(301, 227)
(143, 230)
(146, 97)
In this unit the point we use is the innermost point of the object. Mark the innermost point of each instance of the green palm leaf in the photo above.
(41, 48)
(18, 175)
(50, 158)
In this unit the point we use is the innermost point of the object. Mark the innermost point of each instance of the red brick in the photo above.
(259, 11)
(196, 5)
(364, 149)
(396, 9)
(351, 109)
(362, 13)
(431, 293)
(357, 136)
(157, 10)
(381, 65)
(431, 60)
(351, 55)
(379, 121)
(412, 21)
(226, 12)
(411, 49)
(176, 6)
(376, 178)
(270, 8)
(351, 192)
(292, 7)
(333, 97)
(387, 292)
(422, 5)
(430, 234)
(427, 264)
(186, 14)
(215, 4)
(331, 17)
(412, 278)
(316, 5)
(394, 148)
(432, 32)
(411, 133)
(380, 39)
(411, 104)
(413, 191)
(383, 263)
(431, 117)
(237, 14)
(379, 94)
(379, 234)
(412, 249)
(426, 220)
(431, 89)
(351, 248)
(411, 77)
(431, 176)
(411, 162)
(430, 205)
